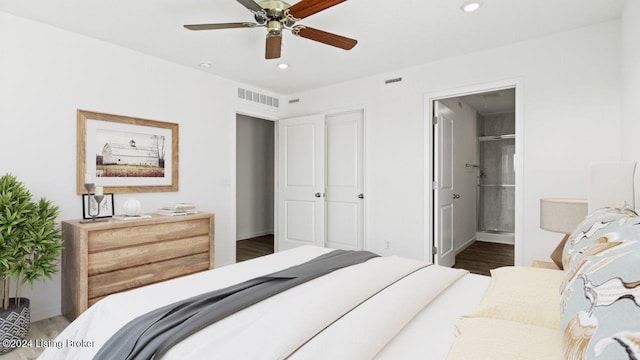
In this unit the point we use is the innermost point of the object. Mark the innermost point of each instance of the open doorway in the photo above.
(254, 187)
(474, 191)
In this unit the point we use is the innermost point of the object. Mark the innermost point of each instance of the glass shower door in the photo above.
(497, 184)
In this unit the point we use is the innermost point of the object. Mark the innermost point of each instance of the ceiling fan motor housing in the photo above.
(277, 18)
(274, 27)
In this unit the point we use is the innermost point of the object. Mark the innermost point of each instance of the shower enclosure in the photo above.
(496, 177)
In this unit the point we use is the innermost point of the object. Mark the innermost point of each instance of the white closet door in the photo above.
(301, 160)
(344, 180)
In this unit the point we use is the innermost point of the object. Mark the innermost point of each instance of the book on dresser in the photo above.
(178, 209)
(104, 258)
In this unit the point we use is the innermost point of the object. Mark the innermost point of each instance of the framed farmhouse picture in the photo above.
(125, 154)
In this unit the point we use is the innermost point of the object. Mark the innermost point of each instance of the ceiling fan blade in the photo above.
(324, 37)
(252, 5)
(304, 8)
(273, 47)
(221, 26)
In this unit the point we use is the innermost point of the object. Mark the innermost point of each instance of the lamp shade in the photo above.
(562, 215)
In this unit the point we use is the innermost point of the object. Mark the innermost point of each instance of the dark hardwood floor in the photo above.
(481, 257)
(254, 247)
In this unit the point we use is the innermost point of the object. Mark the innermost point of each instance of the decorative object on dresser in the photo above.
(92, 204)
(561, 215)
(133, 217)
(91, 210)
(126, 154)
(110, 257)
(131, 207)
(29, 248)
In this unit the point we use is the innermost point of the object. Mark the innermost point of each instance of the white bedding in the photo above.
(431, 332)
(335, 316)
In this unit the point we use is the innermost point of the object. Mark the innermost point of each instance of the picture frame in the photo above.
(125, 154)
(89, 206)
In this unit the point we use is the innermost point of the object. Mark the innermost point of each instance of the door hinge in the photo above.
(434, 120)
(435, 250)
(434, 185)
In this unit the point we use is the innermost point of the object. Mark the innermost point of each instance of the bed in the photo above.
(394, 308)
(273, 327)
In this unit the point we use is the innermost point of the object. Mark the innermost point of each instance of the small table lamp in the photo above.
(562, 216)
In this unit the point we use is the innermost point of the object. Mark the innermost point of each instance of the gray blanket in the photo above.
(151, 335)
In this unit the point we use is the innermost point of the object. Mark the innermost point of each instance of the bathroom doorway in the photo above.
(481, 176)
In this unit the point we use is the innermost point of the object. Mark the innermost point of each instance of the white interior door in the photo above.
(301, 182)
(443, 192)
(344, 180)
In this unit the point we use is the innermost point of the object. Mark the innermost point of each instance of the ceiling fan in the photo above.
(277, 15)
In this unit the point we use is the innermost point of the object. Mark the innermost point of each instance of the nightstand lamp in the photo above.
(561, 215)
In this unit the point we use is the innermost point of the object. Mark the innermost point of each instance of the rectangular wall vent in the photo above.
(258, 98)
(292, 101)
(391, 81)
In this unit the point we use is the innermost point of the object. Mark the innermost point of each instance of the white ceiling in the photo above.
(492, 102)
(391, 34)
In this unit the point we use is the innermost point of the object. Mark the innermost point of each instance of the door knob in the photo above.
(360, 196)
(456, 196)
(318, 195)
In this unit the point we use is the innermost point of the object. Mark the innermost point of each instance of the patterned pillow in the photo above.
(600, 294)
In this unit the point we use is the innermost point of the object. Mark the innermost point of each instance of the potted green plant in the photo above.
(30, 244)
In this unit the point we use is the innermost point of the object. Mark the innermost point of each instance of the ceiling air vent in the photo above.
(293, 101)
(258, 97)
(391, 81)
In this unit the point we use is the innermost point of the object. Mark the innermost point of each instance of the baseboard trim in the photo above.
(253, 234)
(41, 314)
(468, 243)
(495, 238)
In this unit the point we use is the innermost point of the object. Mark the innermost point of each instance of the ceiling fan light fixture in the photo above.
(471, 6)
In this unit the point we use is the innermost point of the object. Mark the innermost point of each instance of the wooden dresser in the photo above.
(108, 257)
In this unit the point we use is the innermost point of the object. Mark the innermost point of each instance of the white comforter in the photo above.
(351, 313)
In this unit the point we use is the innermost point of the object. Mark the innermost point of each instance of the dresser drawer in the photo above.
(125, 279)
(106, 261)
(137, 235)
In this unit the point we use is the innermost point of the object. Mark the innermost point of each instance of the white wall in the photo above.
(254, 177)
(571, 95)
(465, 151)
(631, 80)
(46, 74)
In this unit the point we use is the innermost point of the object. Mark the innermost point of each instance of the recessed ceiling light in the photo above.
(283, 66)
(471, 6)
(205, 65)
